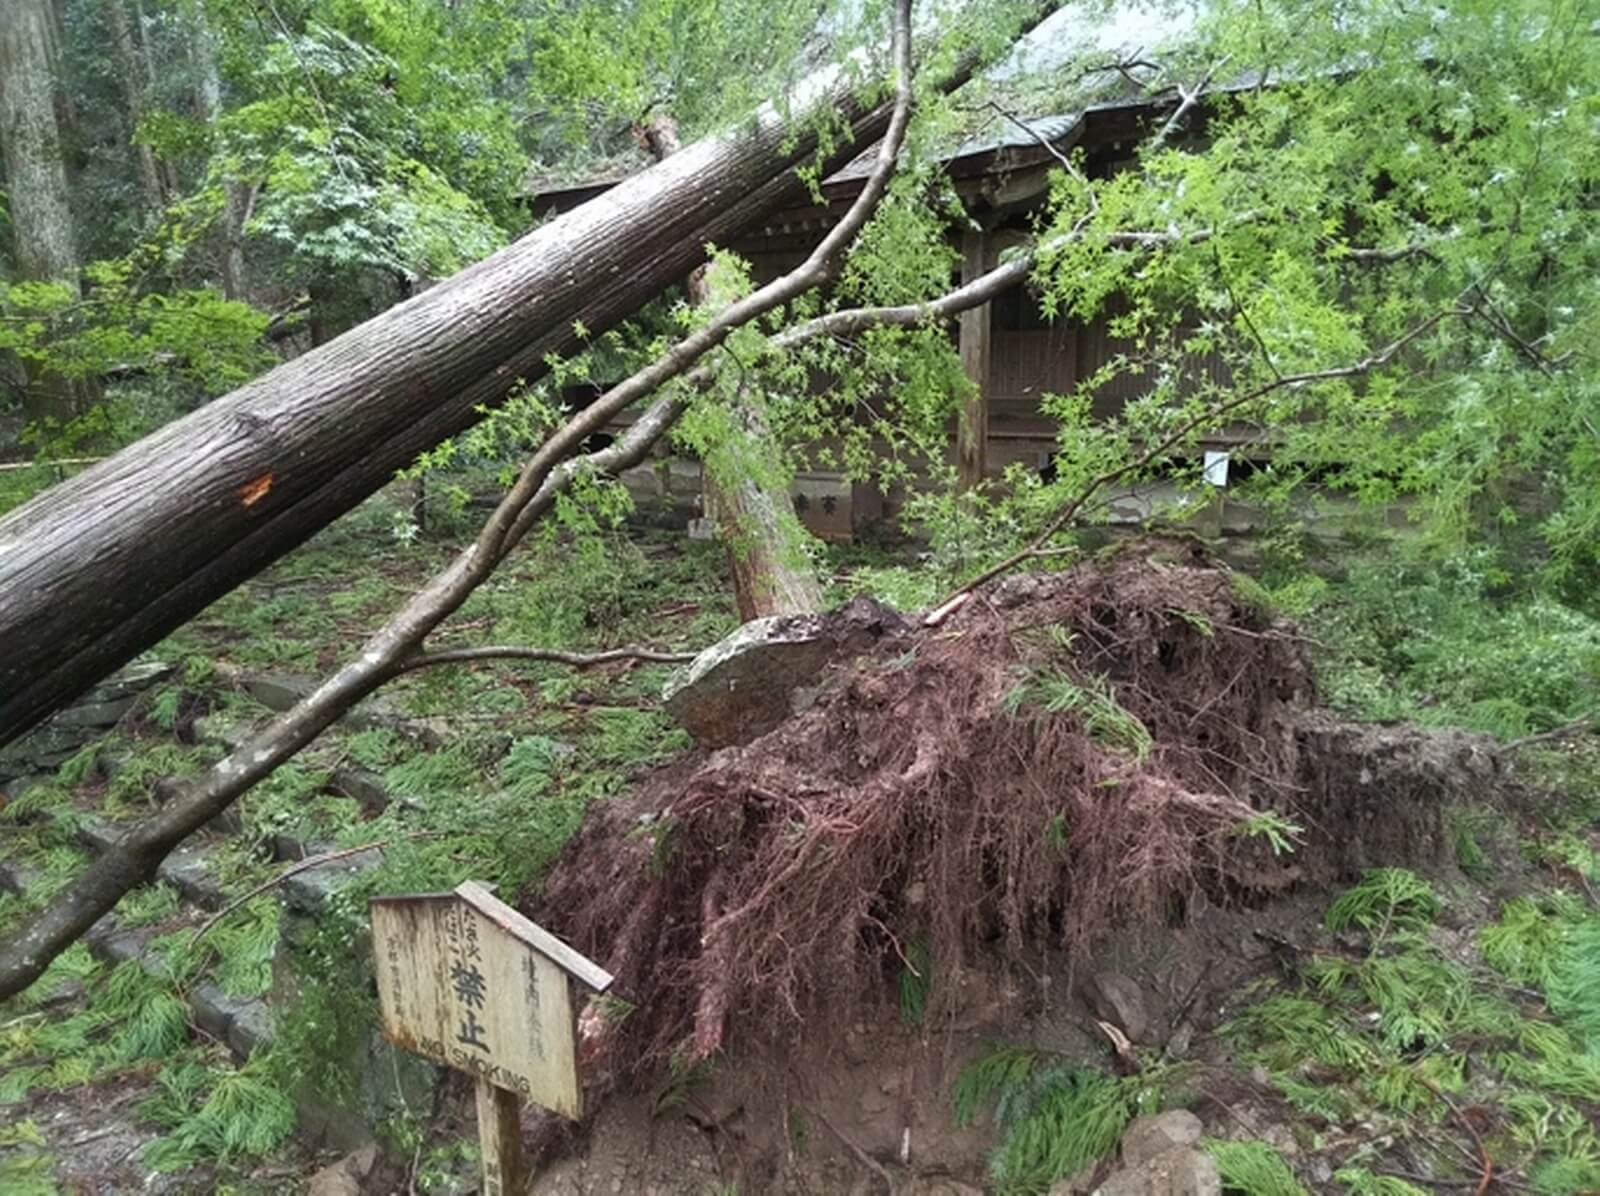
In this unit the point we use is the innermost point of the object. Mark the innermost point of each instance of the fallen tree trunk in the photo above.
(104, 565)
(392, 649)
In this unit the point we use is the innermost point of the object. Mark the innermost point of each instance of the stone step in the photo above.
(280, 691)
(187, 869)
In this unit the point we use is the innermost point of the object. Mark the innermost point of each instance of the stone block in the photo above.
(361, 786)
(1183, 1171)
(250, 1029)
(188, 869)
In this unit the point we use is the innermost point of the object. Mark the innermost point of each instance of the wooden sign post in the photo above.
(465, 980)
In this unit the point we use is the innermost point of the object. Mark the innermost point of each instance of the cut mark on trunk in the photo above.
(253, 492)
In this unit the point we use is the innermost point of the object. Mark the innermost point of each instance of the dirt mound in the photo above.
(1069, 754)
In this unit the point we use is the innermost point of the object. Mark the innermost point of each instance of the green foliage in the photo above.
(1104, 719)
(148, 905)
(1362, 1182)
(1280, 834)
(1054, 1119)
(916, 981)
(1253, 1169)
(1386, 899)
(26, 1165)
(217, 1115)
(1447, 642)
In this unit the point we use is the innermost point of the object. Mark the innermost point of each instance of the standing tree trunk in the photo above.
(241, 194)
(771, 574)
(131, 67)
(36, 178)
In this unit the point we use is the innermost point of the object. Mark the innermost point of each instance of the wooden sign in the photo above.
(465, 980)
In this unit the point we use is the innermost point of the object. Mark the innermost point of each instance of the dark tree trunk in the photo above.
(36, 177)
(106, 564)
(131, 67)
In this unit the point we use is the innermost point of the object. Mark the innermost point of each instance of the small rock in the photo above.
(345, 1177)
(1117, 998)
(1182, 1171)
(1147, 1137)
(1281, 1139)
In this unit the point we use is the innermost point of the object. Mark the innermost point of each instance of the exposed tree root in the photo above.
(919, 811)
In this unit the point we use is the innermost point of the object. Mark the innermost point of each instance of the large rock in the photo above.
(743, 686)
(347, 1176)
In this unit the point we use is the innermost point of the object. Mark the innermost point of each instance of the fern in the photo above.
(1385, 899)
(245, 1114)
(25, 1164)
(1526, 944)
(1055, 1119)
(916, 980)
(1253, 1169)
(1362, 1182)
(1104, 718)
(1574, 985)
(1285, 1031)
(41, 798)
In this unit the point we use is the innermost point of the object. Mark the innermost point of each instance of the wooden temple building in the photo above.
(1008, 348)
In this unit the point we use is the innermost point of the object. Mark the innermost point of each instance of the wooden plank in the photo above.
(972, 432)
(505, 1172)
(535, 936)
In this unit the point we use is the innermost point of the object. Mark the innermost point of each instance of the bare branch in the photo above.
(1049, 146)
(1187, 100)
(577, 660)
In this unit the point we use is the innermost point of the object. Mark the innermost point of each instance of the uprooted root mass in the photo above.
(1069, 754)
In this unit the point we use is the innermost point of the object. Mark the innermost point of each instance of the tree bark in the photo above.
(134, 79)
(771, 575)
(972, 432)
(753, 518)
(41, 216)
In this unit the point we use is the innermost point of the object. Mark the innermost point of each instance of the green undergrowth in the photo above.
(1462, 641)
(526, 747)
(1386, 1048)
(129, 1021)
(1383, 1035)
(1053, 1117)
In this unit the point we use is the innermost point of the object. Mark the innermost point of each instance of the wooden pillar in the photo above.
(972, 433)
(500, 1140)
